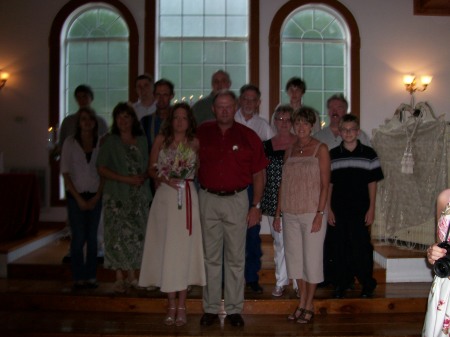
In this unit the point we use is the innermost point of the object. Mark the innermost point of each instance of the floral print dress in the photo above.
(437, 319)
(125, 207)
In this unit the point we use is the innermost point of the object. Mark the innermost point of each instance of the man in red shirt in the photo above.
(231, 158)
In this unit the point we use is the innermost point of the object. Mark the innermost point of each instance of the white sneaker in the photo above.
(277, 291)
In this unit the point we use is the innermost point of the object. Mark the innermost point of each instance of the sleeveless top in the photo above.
(443, 223)
(269, 200)
(300, 185)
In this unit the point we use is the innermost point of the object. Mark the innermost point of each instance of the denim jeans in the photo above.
(253, 251)
(84, 226)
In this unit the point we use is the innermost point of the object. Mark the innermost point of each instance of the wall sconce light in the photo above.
(3, 78)
(411, 84)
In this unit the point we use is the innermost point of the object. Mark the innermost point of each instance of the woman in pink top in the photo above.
(302, 203)
(437, 319)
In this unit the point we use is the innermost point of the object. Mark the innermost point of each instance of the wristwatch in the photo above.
(321, 212)
(258, 205)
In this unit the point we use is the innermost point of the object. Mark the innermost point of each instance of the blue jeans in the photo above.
(84, 227)
(253, 251)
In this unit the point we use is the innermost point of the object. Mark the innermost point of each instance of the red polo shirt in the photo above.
(228, 161)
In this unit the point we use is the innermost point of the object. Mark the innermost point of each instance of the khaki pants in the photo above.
(224, 229)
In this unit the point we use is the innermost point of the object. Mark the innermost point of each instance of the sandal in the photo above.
(306, 316)
(296, 314)
(170, 317)
(119, 287)
(181, 317)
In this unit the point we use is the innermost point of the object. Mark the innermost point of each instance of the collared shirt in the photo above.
(257, 124)
(83, 174)
(151, 124)
(351, 174)
(144, 110)
(327, 136)
(228, 161)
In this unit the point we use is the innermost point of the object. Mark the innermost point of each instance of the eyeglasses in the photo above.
(352, 130)
(285, 119)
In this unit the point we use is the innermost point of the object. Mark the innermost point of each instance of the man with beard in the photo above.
(337, 107)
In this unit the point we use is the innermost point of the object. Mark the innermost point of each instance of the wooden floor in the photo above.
(37, 300)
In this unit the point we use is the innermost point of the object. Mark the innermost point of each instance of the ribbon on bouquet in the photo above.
(185, 185)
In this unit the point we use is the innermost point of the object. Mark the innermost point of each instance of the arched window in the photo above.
(94, 43)
(319, 42)
(95, 52)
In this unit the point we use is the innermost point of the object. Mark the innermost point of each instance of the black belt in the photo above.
(224, 193)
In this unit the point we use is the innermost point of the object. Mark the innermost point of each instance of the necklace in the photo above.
(302, 147)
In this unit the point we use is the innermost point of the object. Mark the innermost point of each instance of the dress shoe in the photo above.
(235, 319)
(209, 319)
(91, 284)
(255, 287)
(367, 292)
(339, 292)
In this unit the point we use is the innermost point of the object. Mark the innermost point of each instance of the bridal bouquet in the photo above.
(177, 163)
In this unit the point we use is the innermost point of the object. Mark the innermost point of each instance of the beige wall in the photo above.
(393, 42)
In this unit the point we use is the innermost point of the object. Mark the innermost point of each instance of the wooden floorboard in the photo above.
(37, 300)
(123, 324)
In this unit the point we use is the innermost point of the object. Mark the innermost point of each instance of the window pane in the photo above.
(238, 76)
(334, 79)
(334, 31)
(191, 80)
(236, 53)
(214, 53)
(170, 52)
(237, 7)
(97, 76)
(193, 8)
(98, 52)
(334, 54)
(118, 77)
(322, 20)
(291, 53)
(100, 103)
(170, 26)
(192, 52)
(76, 75)
(214, 26)
(118, 52)
(292, 30)
(172, 73)
(170, 7)
(314, 100)
(313, 78)
(193, 26)
(312, 54)
(237, 26)
(118, 29)
(214, 7)
(77, 52)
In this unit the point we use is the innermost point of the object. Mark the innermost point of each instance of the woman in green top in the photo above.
(123, 161)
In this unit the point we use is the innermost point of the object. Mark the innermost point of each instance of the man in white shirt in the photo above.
(146, 104)
(249, 101)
